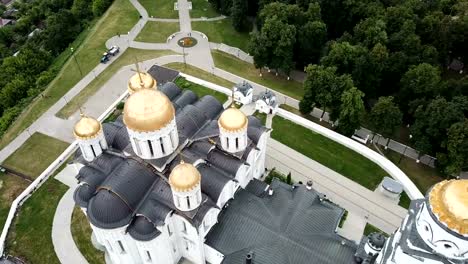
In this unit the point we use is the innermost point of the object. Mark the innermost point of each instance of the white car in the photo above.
(114, 50)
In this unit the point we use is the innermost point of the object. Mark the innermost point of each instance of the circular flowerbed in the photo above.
(187, 42)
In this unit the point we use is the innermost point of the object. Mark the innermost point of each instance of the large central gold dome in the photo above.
(184, 177)
(449, 202)
(148, 110)
(87, 128)
(232, 120)
(141, 81)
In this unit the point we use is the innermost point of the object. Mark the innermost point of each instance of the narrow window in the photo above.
(137, 145)
(178, 201)
(151, 148)
(149, 256)
(122, 249)
(186, 245)
(92, 149)
(188, 201)
(162, 145)
(227, 142)
(109, 245)
(237, 143)
(185, 227)
(169, 230)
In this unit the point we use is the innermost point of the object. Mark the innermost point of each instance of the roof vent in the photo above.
(248, 258)
(270, 191)
(309, 185)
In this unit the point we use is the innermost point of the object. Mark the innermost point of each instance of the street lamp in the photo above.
(74, 57)
(404, 151)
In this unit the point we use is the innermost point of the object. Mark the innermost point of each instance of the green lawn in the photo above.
(157, 32)
(30, 237)
(10, 187)
(372, 229)
(202, 8)
(81, 232)
(221, 31)
(246, 70)
(120, 18)
(199, 90)
(160, 8)
(35, 155)
(199, 73)
(125, 59)
(328, 152)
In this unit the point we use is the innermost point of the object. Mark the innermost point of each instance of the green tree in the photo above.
(288, 178)
(13, 92)
(457, 148)
(370, 32)
(311, 38)
(62, 28)
(385, 116)
(82, 9)
(100, 6)
(351, 112)
(239, 14)
(344, 56)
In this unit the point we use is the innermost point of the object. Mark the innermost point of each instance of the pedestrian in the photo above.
(118, 34)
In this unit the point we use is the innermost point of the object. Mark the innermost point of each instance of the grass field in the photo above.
(221, 31)
(30, 237)
(160, 8)
(157, 32)
(120, 18)
(81, 232)
(329, 153)
(199, 90)
(199, 73)
(202, 8)
(35, 155)
(10, 187)
(246, 70)
(125, 59)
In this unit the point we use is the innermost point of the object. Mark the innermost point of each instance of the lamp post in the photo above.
(404, 151)
(77, 64)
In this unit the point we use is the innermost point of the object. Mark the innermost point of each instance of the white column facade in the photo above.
(155, 144)
(93, 147)
(187, 201)
(121, 248)
(233, 142)
(438, 238)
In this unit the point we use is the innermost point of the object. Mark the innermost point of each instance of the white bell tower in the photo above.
(185, 185)
(88, 132)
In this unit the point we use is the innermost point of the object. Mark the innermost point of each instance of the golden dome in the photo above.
(87, 128)
(146, 81)
(148, 110)
(449, 202)
(232, 120)
(184, 177)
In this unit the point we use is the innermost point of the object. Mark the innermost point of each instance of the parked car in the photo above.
(114, 50)
(105, 57)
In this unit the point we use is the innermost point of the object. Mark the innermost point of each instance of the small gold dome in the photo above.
(232, 120)
(184, 177)
(148, 110)
(449, 202)
(146, 81)
(87, 128)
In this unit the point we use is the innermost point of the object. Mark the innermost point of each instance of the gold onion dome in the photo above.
(148, 110)
(141, 81)
(184, 177)
(87, 128)
(449, 202)
(232, 120)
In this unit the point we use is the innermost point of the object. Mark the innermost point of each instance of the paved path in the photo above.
(358, 200)
(184, 16)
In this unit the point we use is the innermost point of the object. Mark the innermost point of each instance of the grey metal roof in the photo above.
(83, 194)
(202, 147)
(222, 160)
(244, 87)
(116, 135)
(187, 97)
(106, 210)
(254, 122)
(254, 133)
(143, 230)
(268, 97)
(212, 182)
(163, 74)
(391, 185)
(210, 106)
(290, 227)
(171, 90)
(91, 176)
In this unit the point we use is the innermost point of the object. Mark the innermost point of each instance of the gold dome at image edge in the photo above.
(146, 82)
(184, 177)
(86, 127)
(148, 110)
(449, 202)
(232, 119)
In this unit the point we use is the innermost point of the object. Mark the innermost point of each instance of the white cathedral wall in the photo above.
(166, 136)
(439, 239)
(212, 255)
(160, 250)
(239, 97)
(187, 201)
(189, 241)
(242, 175)
(227, 193)
(229, 139)
(92, 148)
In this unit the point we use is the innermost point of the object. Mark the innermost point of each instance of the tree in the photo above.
(239, 14)
(323, 88)
(13, 92)
(62, 28)
(100, 6)
(351, 112)
(344, 56)
(82, 9)
(370, 32)
(258, 50)
(385, 116)
(311, 38)
(457, 148)
(288, 178)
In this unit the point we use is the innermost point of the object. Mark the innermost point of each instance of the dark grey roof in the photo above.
(212, 182)
(143, 230)
(202, 147)
(186, 98)
(254, 122)
(255, 133)
(116, 135)
(227, 162)
(210, 106)
(290, 227)
(256, 187)
(268, 97)
(91, 176)
(162, 74)
(171, 90)
(83, 194)
(106, 210)
(376, 239)
(391, 185)
(244, 87)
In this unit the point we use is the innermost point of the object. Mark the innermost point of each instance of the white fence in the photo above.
(43, 177)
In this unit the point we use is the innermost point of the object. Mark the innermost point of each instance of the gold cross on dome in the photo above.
(137, 70)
